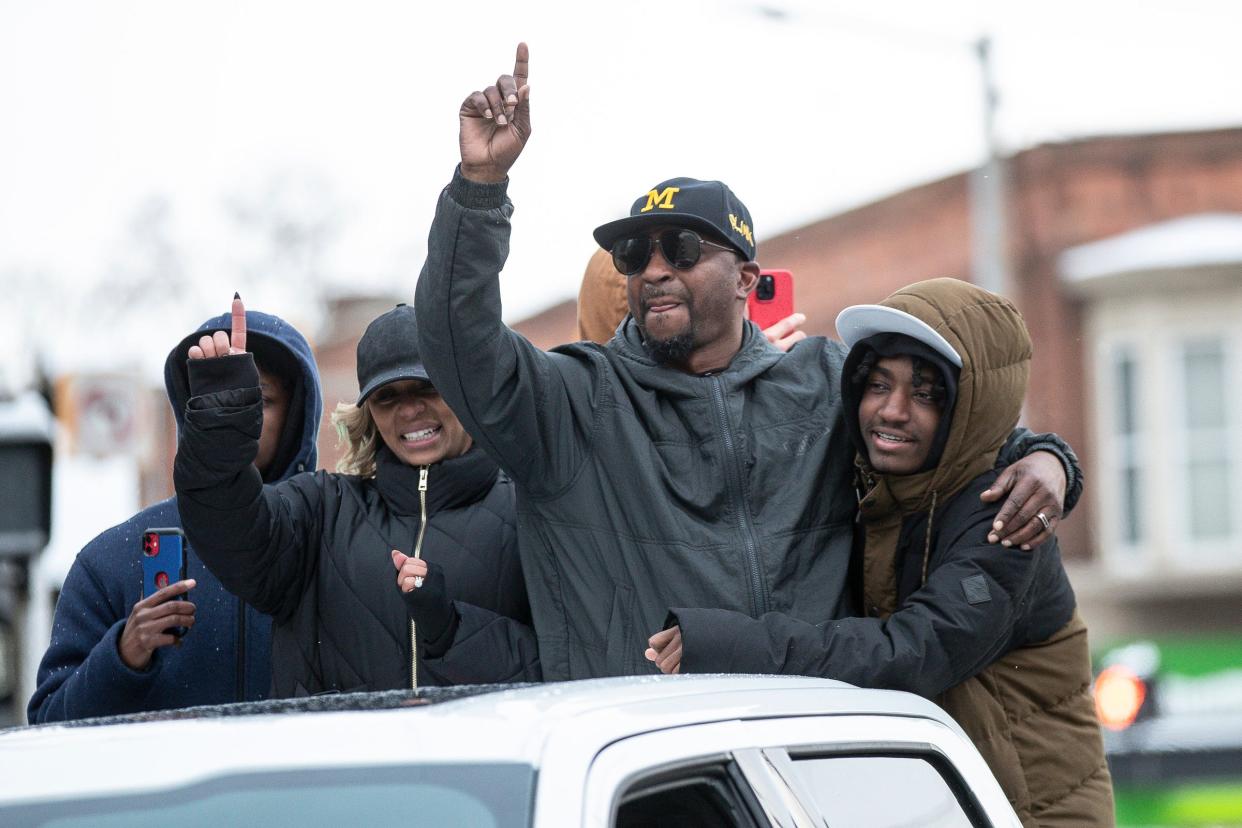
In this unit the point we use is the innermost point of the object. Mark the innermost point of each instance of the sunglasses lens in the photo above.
(630, 255)
(681, 247)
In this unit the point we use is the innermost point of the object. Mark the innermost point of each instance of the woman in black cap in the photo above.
(416, 512)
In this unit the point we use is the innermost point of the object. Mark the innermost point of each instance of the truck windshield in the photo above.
(444, 796)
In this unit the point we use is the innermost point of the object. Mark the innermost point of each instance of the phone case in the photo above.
(163, 563)
(163, 559)
(772, 299)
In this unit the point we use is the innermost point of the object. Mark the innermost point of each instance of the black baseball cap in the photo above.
(388, 351)
(709, 206)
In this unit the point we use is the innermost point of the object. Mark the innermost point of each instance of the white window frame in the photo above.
(1166, 544)
(1121, 555)
(1185, 551)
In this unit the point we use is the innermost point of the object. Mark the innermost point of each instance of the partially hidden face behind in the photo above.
(275, 410)
(689, 308)
(416, 424)
(899, 413)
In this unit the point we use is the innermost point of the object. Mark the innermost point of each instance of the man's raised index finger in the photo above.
(521, 65)
(237, 342)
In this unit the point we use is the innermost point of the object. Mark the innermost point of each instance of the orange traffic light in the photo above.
(1119, 695)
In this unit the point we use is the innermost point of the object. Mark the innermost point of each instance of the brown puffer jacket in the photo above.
(1031, 716)
(1030, 711)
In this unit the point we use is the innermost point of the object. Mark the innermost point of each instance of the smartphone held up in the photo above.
(163, 562)
(772, 299)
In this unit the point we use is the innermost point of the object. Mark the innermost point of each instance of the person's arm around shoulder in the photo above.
(1040, 480)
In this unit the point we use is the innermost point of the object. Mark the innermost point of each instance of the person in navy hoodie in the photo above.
(108, 653)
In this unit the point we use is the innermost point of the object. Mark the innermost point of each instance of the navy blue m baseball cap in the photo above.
(708, 206)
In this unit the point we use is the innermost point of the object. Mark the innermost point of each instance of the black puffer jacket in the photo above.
(315, 550)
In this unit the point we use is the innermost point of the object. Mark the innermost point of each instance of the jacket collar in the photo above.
(450, 483)
(885, 496)
(754, 357)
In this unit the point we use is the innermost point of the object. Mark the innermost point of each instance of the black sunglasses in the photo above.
(682, 248)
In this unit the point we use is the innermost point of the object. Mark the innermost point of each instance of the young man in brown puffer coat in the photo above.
(932, 386)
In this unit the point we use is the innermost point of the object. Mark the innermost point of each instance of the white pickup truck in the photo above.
(656, 751)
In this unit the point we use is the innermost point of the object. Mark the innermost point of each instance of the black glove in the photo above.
(433, 613)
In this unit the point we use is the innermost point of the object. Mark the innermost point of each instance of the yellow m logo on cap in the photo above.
(662, 199)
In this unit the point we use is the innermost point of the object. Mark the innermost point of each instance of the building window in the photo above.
(1126, 413)
(1205, 406)
(1160, 310)
(1170, 420)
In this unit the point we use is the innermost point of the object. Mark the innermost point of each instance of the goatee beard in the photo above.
(672, 351)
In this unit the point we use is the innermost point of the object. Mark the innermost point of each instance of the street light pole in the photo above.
(989, 257)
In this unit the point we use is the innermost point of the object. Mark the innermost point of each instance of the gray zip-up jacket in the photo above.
(640, 487)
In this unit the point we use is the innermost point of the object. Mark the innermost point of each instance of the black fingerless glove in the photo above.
(433, 613)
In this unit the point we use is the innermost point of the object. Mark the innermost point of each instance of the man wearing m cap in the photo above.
(685, 462)
(688, 221)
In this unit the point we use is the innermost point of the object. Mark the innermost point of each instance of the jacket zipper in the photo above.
(733, 472)
(418, 553)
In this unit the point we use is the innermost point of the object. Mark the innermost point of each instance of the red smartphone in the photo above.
(163, 563)
(772, 299)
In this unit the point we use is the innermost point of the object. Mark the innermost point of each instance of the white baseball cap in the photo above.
(858, 322)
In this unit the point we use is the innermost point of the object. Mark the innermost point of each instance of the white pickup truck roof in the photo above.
(557, 729)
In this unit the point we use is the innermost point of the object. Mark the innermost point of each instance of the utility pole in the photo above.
(989, 258)
(988, 242)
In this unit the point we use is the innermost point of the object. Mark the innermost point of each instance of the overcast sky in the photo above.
(804, 108)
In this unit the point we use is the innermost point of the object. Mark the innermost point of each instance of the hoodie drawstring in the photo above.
(927, 543)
